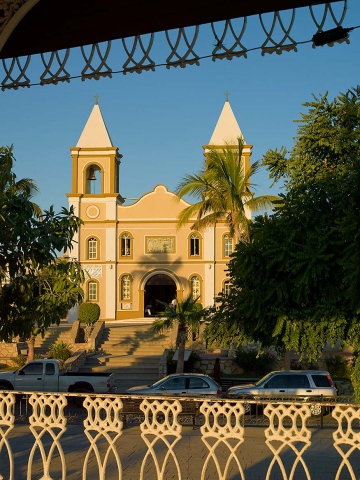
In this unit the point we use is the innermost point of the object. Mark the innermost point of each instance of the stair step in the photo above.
(132, 351)
(124, 360)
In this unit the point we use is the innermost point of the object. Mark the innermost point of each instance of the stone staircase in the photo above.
(132, 351)
(52, 334)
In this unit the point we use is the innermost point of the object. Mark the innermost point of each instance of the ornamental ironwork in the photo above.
(217, 41)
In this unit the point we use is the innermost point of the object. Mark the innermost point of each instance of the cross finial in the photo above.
(96, 99)
(227, 96)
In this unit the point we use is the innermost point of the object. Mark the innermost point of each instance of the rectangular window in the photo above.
(93, 291)
(227, 288)
(298, 381)
(195, 287)
(92, 248)
(228, 245)
(125, 287)
(125, 246)
(194, 246)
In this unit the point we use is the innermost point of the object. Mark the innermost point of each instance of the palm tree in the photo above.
(222, 188)
(9, 186)
(187, 314)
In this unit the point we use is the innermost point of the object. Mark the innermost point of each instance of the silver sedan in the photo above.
(179, 384)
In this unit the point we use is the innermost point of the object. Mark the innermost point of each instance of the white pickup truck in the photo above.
(46, 376)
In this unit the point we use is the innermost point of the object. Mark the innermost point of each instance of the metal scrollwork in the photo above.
(13, 81)
(329, 12)
(9, 8)
(138, 66)
(57, 76)
(278, 47)
(228, 44)
(102, 70)
(221, 51)
(189, 57)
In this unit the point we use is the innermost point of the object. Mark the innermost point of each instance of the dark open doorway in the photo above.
(161, 288)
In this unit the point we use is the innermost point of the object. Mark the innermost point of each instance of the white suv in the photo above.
(302, 383)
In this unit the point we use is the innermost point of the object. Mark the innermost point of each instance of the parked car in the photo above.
(304, 384)
(46, 376)
(175, 384)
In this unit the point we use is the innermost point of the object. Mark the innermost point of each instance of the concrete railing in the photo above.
(219, 442)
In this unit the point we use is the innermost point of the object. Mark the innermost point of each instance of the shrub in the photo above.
(254, 363)
(18, 361)
(355, 378)
(60, 351)
(312, 366)
(89, 313)
(296, 365)
(303, 365)
(338, 366)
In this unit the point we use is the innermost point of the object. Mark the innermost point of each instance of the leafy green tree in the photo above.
(188, 314)
(222, 188)
(38, 288)
(296, 283)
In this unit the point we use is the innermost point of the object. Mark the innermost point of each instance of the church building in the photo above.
(134, 254)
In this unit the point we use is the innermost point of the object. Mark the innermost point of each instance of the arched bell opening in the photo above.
(93, 179)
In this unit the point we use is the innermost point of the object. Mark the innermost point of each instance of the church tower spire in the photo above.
(227, 132)
(95, 160)
(95, 133)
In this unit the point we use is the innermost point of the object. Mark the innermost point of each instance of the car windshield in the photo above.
(262, 380)
(158, 382)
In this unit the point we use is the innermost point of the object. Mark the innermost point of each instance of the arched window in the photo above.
(92, 248)
(228, 245)
(194, 245)
(227, 288)
(125, 287)
(93, 291)
(125, 245)
(195, 287)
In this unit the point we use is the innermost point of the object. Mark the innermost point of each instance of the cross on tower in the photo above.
(227, 96)
(96, 99)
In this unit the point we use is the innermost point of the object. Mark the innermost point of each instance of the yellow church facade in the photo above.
(135, 256)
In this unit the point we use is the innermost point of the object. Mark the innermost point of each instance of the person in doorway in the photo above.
(149, 308)
(217, 371)
(174, 303)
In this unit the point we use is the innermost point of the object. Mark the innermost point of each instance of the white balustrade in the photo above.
(46, 437)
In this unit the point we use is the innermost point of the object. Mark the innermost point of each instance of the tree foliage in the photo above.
(296, 283)
(37, 287)
(222, 188)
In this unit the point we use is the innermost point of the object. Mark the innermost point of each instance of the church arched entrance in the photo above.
(159, 288)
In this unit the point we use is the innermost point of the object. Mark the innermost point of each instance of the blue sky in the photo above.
(160, 120)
